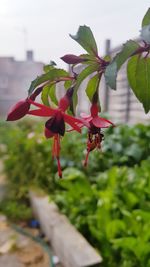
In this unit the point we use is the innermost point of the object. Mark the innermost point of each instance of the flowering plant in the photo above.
(94, 67)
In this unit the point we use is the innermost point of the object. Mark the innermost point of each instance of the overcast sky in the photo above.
(44, 25)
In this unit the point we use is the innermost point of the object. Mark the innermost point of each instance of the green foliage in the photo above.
(113, 212)
(109, 204)
(49, 91)
(50, 76)
(111, 71)
(138, 71)
(123, 146)
(67, 84)
(145, 34)
(138, 67)
(111, 75)
(91, 64)
(15, 210)
(146, 19)
(92, 86)
(80, 78)
(86, 39)
(49, 67)
(45, 94)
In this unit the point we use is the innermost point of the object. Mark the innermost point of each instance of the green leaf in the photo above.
(92, 86)
(111, 71)
(50, 76)
(146, 19)
(145, 34)
(67, 84)
(44, 95)
(47, 68)
(135, 151)
(143, 82)
(52, 94)
(89, 59)
(115, 227)
(86, 39)
(138, 71)
(145, 215)
(80, 78)
(130, 198)
(111, 75)
(131, 73)
(128, 49)
(49, 91)
(125, 243)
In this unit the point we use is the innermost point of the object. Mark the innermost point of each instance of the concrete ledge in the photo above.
(70, 246)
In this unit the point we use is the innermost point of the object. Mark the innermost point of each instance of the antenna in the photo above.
(24, 32)
(25, 36)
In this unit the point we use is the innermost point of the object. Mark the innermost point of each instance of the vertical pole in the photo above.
(106, 92)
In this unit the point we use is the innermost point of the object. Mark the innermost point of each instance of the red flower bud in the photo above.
(19, 110)
(72, 59)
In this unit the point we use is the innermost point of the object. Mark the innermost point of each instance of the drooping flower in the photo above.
(55, 125)
(21, 108)
(95, 136)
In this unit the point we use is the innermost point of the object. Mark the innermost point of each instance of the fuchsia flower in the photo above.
(21, 108)
(55, 126)
(95, 136)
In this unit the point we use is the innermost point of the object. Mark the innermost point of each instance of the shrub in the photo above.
(108, 201)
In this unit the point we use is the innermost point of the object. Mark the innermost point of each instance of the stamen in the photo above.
(59, 167)
(56, 152)
(86, 159)
(90, 147)
(57, 145)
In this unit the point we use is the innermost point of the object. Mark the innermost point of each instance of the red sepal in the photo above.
(19, 110)
(64, 103)
(94, 110)
(101, 122)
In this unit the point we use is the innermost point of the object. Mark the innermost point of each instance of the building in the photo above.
(15, 79)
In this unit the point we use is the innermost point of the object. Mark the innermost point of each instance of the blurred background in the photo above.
(109, 201)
